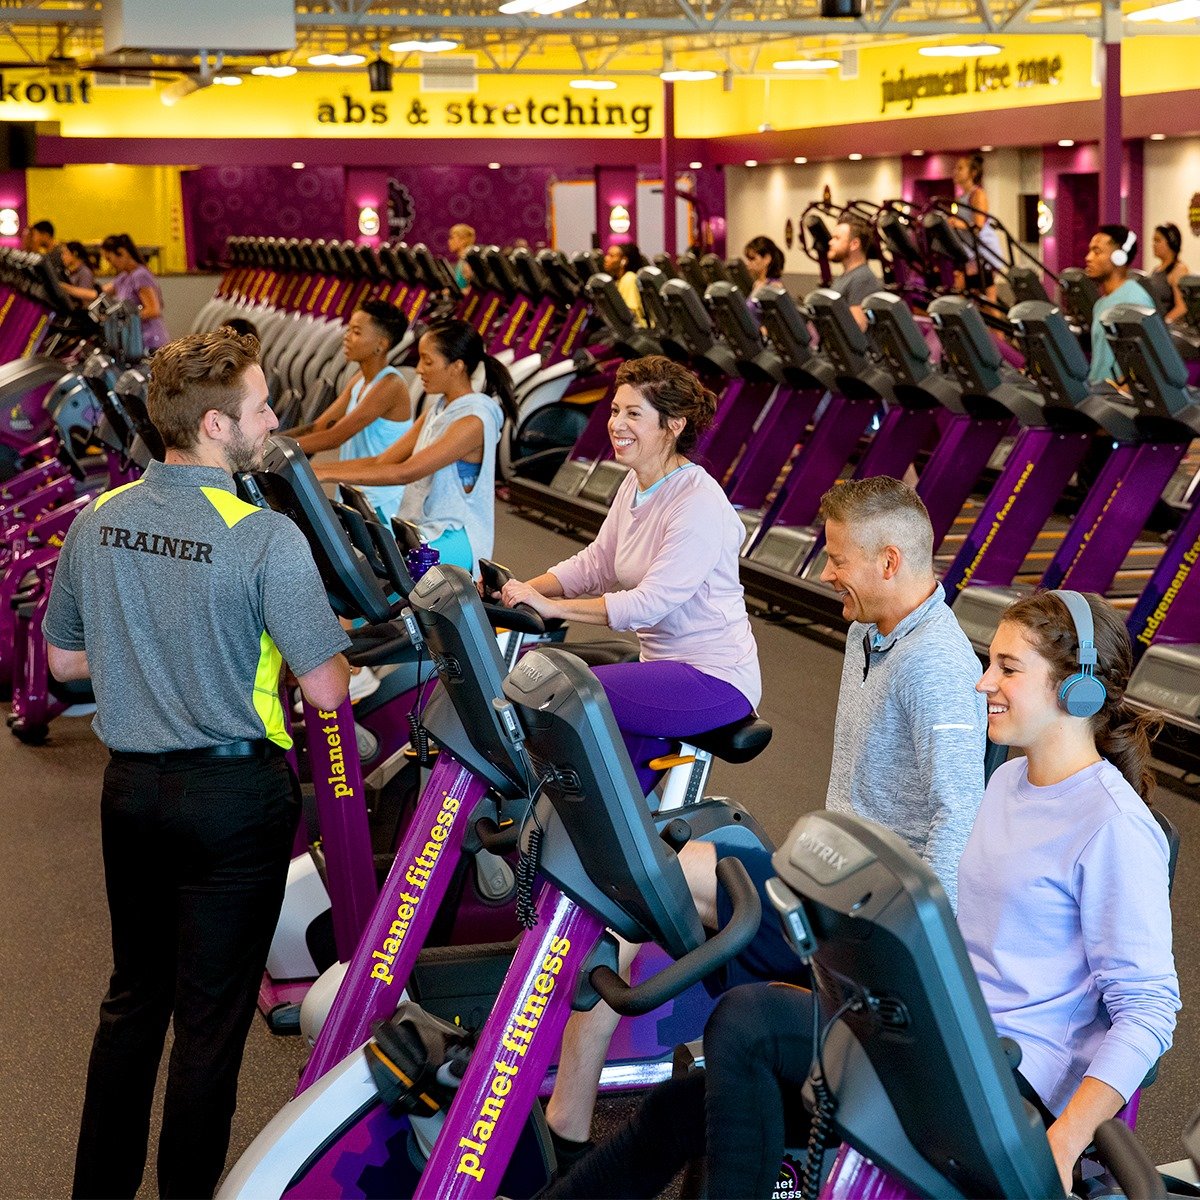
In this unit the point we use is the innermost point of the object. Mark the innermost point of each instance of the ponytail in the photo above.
(498, 382)
(458, 341)
(122, 241)
(1123, 736)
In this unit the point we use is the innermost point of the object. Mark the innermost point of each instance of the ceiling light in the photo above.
(1180, 10)
(174, 92)
(227, 80)
(752, 162)
(1158, 137)
(986, 149)
(807, 64)
(270, 72)
(337, 60)
(918, 154)
(434, 46)
(800, 160)
(962, 50)
(593, 85)
(1066, 143)
(297, 166)
(855, 157)
(695, 166)
(686, 76)
(493, 166)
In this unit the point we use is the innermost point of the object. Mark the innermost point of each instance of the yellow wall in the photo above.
(88, 203)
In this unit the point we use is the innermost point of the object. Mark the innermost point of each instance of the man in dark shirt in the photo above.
(181, 602)
(848, 246)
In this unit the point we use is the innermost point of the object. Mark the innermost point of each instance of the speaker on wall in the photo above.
(841, 8)
(1027, 217)
(18, 144)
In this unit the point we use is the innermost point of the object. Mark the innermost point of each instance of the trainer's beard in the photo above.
(241, 454)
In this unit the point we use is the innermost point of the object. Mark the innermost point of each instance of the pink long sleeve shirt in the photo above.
(668, 570)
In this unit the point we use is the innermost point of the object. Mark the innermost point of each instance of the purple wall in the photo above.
(501, 205)
(221, 202)
(710, 206)
(616, 185)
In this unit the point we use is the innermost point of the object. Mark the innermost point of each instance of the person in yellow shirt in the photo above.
(621, 261)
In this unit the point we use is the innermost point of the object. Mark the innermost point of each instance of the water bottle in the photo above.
(421, 559)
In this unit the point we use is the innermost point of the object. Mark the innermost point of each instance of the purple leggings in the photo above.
(657, 702)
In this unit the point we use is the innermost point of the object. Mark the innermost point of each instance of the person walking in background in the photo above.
(135, 285)
(460, 239)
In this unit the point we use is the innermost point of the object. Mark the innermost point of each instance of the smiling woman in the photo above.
(665, 565)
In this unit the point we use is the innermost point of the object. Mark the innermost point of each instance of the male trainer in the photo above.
(181, 602)
(909, 743)
(848, 246)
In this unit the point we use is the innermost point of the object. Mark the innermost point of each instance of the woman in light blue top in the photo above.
(374, 411)
(447, 460)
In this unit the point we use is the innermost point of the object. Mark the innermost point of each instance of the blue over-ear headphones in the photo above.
(1081, 694)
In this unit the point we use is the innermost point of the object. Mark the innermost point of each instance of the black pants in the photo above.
(738, 1113)
(195, 861)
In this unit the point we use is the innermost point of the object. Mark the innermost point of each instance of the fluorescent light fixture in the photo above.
(807, 64)
(752, 162)
(297, 166)
(269, 72)
(686, 76)
(1180, 10)
(695, 166)
(856, 157)
(961, 50)
(918, 154)
(1066, 143)
(799, 160)
(337, 60)
(593, 85)
(493, 166)
(1158, 137)
(433, 46)
(986, 149)
(227, 80)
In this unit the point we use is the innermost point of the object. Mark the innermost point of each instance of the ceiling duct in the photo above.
(185, 27)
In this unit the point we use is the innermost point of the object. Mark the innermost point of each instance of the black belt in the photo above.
(257, 748)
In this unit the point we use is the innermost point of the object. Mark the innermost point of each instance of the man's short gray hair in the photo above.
(881, 511)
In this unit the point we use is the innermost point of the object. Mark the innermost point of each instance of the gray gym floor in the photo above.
(54, 950)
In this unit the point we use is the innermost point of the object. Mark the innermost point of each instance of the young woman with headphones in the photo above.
(1163, 283)
(1062, 903)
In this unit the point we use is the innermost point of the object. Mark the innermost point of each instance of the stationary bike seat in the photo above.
(604, 653)
(737, 742)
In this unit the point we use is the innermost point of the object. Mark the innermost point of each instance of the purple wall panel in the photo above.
(221, 202)
(501, 205)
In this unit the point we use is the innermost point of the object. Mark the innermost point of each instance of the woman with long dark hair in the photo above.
(1163, 281)
(447, 460)
(134, 284)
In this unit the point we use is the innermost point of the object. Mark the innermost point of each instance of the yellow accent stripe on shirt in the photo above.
(230, 508)
(105, 497)
(266, 692)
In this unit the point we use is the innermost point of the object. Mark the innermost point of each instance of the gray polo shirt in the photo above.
(910, 733)
(187, 600)
(857, 285)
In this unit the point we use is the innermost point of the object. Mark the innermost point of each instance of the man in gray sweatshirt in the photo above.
(908, 751)
(911, 729)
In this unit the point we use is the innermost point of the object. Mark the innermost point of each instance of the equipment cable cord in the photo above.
(821, 1133)
(420, 735)
(531, 853)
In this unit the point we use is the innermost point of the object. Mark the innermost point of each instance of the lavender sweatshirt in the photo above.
(1063, 905)
(668, 570)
